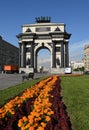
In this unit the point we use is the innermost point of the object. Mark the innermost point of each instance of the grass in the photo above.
(10, 92)
(75, 92)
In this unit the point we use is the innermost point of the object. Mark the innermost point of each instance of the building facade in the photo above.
(76, 64)
(86, 57)
(9, 54)
(43, 34)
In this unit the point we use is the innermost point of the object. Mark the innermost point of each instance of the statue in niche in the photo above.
(58, 61)
(28, 62)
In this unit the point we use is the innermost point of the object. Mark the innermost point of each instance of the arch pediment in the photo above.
(57, 29)
(28, 30)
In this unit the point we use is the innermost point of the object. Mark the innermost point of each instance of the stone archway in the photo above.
(43, 34)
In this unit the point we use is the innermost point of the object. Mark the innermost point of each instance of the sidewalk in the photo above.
(9, 80)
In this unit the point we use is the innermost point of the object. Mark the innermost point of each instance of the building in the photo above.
(9, 54)
(76, 64)
(44, 34)
(86, 57)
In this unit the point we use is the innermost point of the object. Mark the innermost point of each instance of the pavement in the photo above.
(10, 80)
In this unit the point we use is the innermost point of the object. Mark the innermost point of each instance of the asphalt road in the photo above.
(9, 80)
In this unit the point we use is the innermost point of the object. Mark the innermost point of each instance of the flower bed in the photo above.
(37, 108)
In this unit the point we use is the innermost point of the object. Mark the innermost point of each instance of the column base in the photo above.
(57, 70)
(26, 70)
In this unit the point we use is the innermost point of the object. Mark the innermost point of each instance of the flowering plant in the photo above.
(38, 108)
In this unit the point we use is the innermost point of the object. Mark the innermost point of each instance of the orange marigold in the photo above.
(47, 118)
(40, 128)
(31, 128)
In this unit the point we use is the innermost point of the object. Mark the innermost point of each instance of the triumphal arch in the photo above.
(43, 34)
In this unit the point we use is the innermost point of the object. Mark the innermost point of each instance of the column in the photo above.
(19, 54)
(66, 55)
(53, 56)
(62, 55)
(23, 55)
(32, 54)
(35, 67)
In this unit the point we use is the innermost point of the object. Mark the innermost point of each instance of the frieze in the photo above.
(42, 29)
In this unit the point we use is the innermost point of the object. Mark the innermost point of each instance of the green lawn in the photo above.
(75, 92)
(15, 90)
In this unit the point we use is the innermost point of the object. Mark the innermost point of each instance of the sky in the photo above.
(74, 13)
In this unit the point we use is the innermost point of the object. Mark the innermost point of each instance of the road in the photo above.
(9, 80)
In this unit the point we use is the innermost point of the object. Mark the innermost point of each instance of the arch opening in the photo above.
(43, 60)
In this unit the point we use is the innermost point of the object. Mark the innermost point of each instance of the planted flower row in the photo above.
(41, 112)
(38, 108)
(18, 100)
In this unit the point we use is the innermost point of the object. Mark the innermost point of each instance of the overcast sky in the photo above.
(74, 13)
